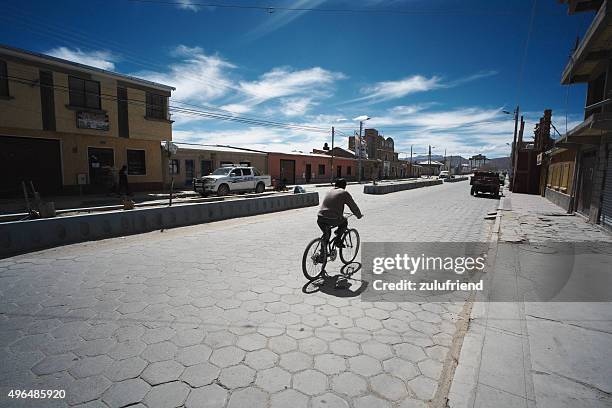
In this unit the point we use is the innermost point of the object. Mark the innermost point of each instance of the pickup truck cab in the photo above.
(485, 182)
(232, 178)
(444, 174)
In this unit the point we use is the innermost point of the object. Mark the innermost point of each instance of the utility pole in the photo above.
(332, 154)
(513, 154)
(410, 161)
(445, 164)
(429, 162)
(359, 150)
(519, 142)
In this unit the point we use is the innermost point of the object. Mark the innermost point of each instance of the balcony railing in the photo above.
(598, 107)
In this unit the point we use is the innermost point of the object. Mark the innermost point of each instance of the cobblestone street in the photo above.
(214, 315)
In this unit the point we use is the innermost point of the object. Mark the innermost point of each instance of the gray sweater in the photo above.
(332, 206)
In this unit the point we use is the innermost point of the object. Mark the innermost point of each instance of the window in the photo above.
(157, 106)
(174, 167)
(4, 90)
(256, 172)
(246, 172)
(122, 112)
(321, 169)
(84, 93)
(236, 173)
(136, 163)
(348, 170)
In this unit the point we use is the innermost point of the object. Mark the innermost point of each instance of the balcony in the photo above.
(594, 47)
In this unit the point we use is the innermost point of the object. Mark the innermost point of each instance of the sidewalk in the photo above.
(539, 354)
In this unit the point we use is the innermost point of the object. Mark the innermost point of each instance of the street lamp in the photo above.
(361, 119)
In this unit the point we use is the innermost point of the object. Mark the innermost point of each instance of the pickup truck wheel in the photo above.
(260, 188)
(472, 191)
(223, 190)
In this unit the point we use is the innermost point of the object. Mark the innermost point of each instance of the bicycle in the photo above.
(318, 252)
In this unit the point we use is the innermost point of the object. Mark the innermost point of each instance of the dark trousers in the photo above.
(326, 224)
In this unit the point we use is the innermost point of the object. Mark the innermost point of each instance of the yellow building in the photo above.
(69, 127)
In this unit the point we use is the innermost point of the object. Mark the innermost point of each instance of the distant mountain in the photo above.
(500, 163)
(440, 158)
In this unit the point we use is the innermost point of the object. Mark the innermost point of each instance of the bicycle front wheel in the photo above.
(351, 246)
(314, 259)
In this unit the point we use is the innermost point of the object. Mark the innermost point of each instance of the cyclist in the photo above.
(331, 213)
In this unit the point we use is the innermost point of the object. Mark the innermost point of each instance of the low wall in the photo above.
(456, 179)
(558, 198)
(26, 236)
(392, 188)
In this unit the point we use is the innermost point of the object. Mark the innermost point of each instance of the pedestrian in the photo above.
(124, 188)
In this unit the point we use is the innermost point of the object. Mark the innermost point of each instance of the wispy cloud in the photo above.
(197, 76)
(187, 5)
(280, 18)
(99, 59)
(388, 90)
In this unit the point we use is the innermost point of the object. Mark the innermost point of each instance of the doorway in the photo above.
(189, 173)
(587, 169)
(287, 171)
(308, 174)
(339, 172)
(101, 168)
(205, 167)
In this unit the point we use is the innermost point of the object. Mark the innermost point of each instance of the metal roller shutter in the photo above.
(606, 208)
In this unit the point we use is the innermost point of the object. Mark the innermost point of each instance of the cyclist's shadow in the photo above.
(341, 285)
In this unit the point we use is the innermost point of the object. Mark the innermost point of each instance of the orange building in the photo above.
(304, 168)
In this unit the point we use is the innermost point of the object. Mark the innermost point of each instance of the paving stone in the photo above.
(288, 399)
(370, 401)
(193, 354)
(402, 369)
(424, 388)
(158, 334)
(210, 396)
(127, 392)
(330, 363)
(53, 364)
(364, 365)
(172, 394)
(236, 376)
(125, 369)
(251, 342)
(310, 382)
(282, 344)
(161, 372)
(344, 348)
(220, 339)
(389, 387)
(349, 384)
(295, 361)
(87, 389)
(273, 379)
(227, 356)
(127, 349)
(248, 397)
(412, 403)
(88, 366)
(376, 349)
(200, 374)
(328, 400)
(410, 352)
(438, 353)
(190, 337)
(261, 359)
(431, 368)
(162, 351)
(312, 345)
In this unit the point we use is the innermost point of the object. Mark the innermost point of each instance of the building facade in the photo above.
(381, 151)
(70, 127)
(591, 140)
(200, 160)
(305, 168)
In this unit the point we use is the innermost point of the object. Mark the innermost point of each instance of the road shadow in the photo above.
(341, 285)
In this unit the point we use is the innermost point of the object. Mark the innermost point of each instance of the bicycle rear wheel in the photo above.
(314, 259)
(351, 246)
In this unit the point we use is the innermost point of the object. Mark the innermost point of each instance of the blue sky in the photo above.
(439, 75)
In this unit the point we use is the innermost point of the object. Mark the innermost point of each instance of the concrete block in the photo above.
(26, 236)
(386, 188)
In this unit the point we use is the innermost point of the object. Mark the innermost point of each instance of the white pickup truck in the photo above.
(231, 178)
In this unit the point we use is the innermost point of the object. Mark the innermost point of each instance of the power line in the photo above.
(273, 8)
(178, 109)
